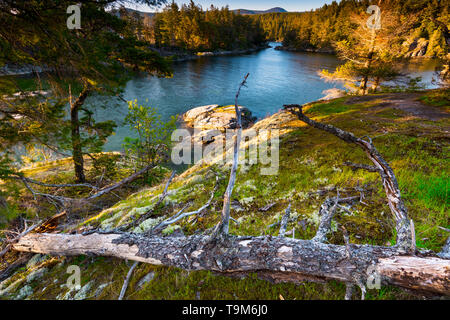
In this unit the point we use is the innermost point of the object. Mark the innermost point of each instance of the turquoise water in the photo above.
(276, 78)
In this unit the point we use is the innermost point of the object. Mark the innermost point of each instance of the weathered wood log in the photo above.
(276, 258)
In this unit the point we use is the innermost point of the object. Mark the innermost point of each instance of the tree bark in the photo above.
(278, 259)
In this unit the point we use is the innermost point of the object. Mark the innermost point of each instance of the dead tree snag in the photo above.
(404, 226)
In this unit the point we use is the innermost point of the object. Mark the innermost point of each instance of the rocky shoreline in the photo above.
(13, 70)
(326, 50)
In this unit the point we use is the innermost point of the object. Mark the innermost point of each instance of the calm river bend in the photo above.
(276, 78)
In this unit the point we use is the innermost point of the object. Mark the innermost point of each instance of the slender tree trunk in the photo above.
(368, 63)
(376, 84)
(77, 151)
(3, 202)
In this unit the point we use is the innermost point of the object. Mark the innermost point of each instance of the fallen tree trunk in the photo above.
(276, 258)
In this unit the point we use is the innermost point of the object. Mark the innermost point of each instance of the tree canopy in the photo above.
(98, 58)
(320, 29)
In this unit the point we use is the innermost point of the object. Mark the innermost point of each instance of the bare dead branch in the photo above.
(348, 249)
(115, 186)
(284, 221)
(326, 214)
(445, 229)
(55, 200)
(234, 220)
(445, 252)
(65, 202)
(11, 241)
(267, 207)
(180, 215)
(51, 185)
(405, 234)
(349, 289)
(18, 263)
(127, 280)
(222, 228)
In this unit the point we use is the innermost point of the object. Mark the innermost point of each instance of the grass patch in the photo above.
(328, 108)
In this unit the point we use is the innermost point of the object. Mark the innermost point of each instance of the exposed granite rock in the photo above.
(215, 117)
(210, 124)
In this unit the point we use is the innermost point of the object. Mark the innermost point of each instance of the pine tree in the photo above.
(98, 58)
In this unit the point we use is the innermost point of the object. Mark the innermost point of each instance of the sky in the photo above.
(289, 5)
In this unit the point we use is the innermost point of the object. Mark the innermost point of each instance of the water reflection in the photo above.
(276, 78)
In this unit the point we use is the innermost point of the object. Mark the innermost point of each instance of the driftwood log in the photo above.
(279, 259)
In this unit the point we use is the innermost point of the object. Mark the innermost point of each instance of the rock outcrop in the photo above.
(211, 122)
(326, 49)
(215, 117)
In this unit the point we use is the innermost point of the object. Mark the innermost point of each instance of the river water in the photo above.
(276, 78)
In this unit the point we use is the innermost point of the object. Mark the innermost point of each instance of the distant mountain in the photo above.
(132, 11)
(272, 10)
(241, 11)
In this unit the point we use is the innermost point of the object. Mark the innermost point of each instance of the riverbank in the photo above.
(327, 50)
(177, 56)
